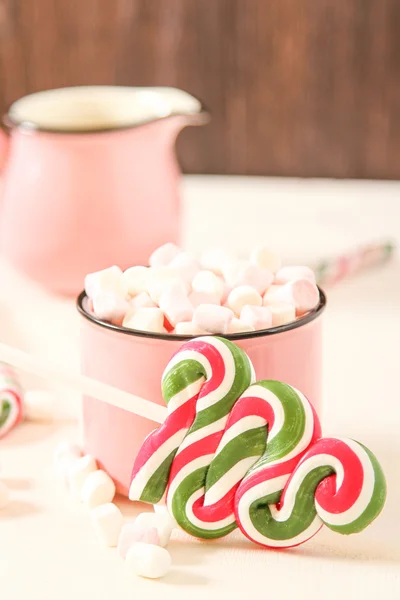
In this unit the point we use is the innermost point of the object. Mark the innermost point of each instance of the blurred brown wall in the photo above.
(296, 87)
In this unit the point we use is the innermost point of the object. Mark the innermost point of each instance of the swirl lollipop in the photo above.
(11, 400)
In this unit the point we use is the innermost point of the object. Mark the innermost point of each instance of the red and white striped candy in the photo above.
(11, 400)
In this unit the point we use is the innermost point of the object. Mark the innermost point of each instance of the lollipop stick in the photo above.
(90, 387)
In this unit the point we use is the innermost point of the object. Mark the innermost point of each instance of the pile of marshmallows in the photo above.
(142, 542)
(182, 295)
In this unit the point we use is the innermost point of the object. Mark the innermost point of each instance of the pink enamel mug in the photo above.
(90, 177)
(134, 361)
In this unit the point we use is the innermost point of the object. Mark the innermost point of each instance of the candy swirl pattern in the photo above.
(234, 453)
(11, 400)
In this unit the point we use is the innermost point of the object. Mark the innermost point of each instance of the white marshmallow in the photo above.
(109, 306)
(142, 300)
(214, 260)
(282, 314)
(98, 489)
(131, 533)
(301, 293)
(161, 509)
(67, 450)
(107, 521)
(286, 274)
(197, 298)
(237, 326)
(257, 277)
(147, 560)
(162, 256)
(185, 266)
(79, 472)
(145, 319)
(212, 318)
(232, 270)
(270, 296)
(107, 280)
(265, 258)
(162, 522)
(134, 280)
(39, 405)
(188, 328)
(242, 295)
(158, 279)
(259, 317)
(207, 282)
(4, 495)
(175, 304)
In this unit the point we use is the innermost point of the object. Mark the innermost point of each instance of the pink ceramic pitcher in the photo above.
(91, 179)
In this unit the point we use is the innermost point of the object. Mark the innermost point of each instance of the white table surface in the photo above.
(47, 547)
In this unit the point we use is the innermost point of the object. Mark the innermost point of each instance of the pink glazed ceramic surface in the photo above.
(135, 362)
(74, 201)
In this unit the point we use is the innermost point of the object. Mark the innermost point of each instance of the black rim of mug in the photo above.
(307, 318)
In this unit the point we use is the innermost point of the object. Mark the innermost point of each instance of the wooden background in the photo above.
(295, 87)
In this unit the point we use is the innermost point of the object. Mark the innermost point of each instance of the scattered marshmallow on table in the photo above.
(39, 405)
(259, 317)
(161, 521)
(282, 314)
(134, 280)
(4, 495)
(162, 256)
(286, 274)
(208, 282)
(145, 319)
(78, 473)
(242, 295)
(107, 280)
(107, 521)
(175, 304)
(212, 318)
(131, 533)
(265, 258)
(65, 457)
(98, 489)
(147, 560)
(162, 509)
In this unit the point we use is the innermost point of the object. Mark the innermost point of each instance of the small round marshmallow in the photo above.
(134, 280)
(107, 521)
(109, 306)
(185, 266)
(161, 509)
(131, 533)
(257, 277)
(67, 450)
(259, 317)
(159, 278)
(78, 473)
(147, 560)
(175, 304)
(237, 326)
(39, 405)
(282, 314)
(232, 270)
(207, 282)
(98, 489)
(301, 293)
(265, 258)
(242, 295)
(212, 318)
(142, 300)
(145, 319)
(162, 523)
(188, 328)
(162, 256)
(107, 280)
(4, 495)
(270, 296)
(197, 298)
(286, 274)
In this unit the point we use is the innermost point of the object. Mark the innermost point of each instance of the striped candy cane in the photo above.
(270, 422)
(200, 385)
(11, 400)
(338, 482)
